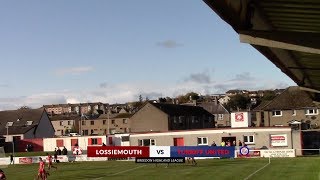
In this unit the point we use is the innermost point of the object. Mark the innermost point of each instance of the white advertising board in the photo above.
(278, 153)
(240, 119)
(278, 140)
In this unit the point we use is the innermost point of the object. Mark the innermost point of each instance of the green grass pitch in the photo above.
(304, 168)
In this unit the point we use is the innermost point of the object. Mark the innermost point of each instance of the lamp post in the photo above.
(108, 129)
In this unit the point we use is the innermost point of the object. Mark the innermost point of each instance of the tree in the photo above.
(162, 100)
(188, 97)
(238, 102)
(192, 96)
(268, 95)
(25, 107)
(73, 129)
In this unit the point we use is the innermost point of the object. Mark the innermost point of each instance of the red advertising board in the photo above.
(25, 160)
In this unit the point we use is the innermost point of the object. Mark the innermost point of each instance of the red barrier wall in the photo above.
(37, 144)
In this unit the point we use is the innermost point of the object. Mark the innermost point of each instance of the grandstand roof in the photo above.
(287, 32)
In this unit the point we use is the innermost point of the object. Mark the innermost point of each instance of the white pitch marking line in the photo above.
(121, 172)
(256, 171)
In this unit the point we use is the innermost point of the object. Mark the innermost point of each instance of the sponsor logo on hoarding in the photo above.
(244, 151)
(25, 160)
(239, 117)
(279, 140)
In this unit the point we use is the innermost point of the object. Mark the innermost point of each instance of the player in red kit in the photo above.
(2, 175)
(50, 162)
(42, 172)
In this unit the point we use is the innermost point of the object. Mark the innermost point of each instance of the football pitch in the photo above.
(304, 168)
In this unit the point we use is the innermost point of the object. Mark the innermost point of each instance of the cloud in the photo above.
(103, 85)
(73, 70)
(130, 91)
(33, 101)
(245, 76)
(203, 78)
(4, 85)
(169, 44)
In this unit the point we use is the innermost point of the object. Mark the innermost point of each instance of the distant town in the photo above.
(265, 108)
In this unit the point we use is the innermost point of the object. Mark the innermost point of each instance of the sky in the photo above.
(78, 51)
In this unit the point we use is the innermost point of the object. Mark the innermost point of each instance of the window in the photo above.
(29, 123)
(69, 122)
(220, 116)
(202, 141)
(83, 123)
(294, 112)
(94, 141)
(125, 121)
(311, 111)
(85, 132)
(175, 120)
(104, 122)
(113, 121)
(125, 139)
(61, 123)
(248, 139)
(180, 119)
(194, 119)
(146, 142)
(91, 122)
(277, 113)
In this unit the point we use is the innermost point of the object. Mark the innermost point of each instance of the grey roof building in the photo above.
(25, 123)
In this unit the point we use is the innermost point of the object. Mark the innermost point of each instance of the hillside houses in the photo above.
(292, 105)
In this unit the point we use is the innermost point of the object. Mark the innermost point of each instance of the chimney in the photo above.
(215, 100)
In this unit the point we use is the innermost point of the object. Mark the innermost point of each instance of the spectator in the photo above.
(213, 144)
(240, 143)
(11, 159)
(223, 143)
(59, 151)
(103, 144)
(55, 155)
(31, 147)
(233, 143)
(64, 151)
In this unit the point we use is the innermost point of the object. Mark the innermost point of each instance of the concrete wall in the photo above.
(224, 122)
(297, 142)
(261, 137)
(100, 126)
(50, 143)
(149, 118)
(65, 125)
(288, 116)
